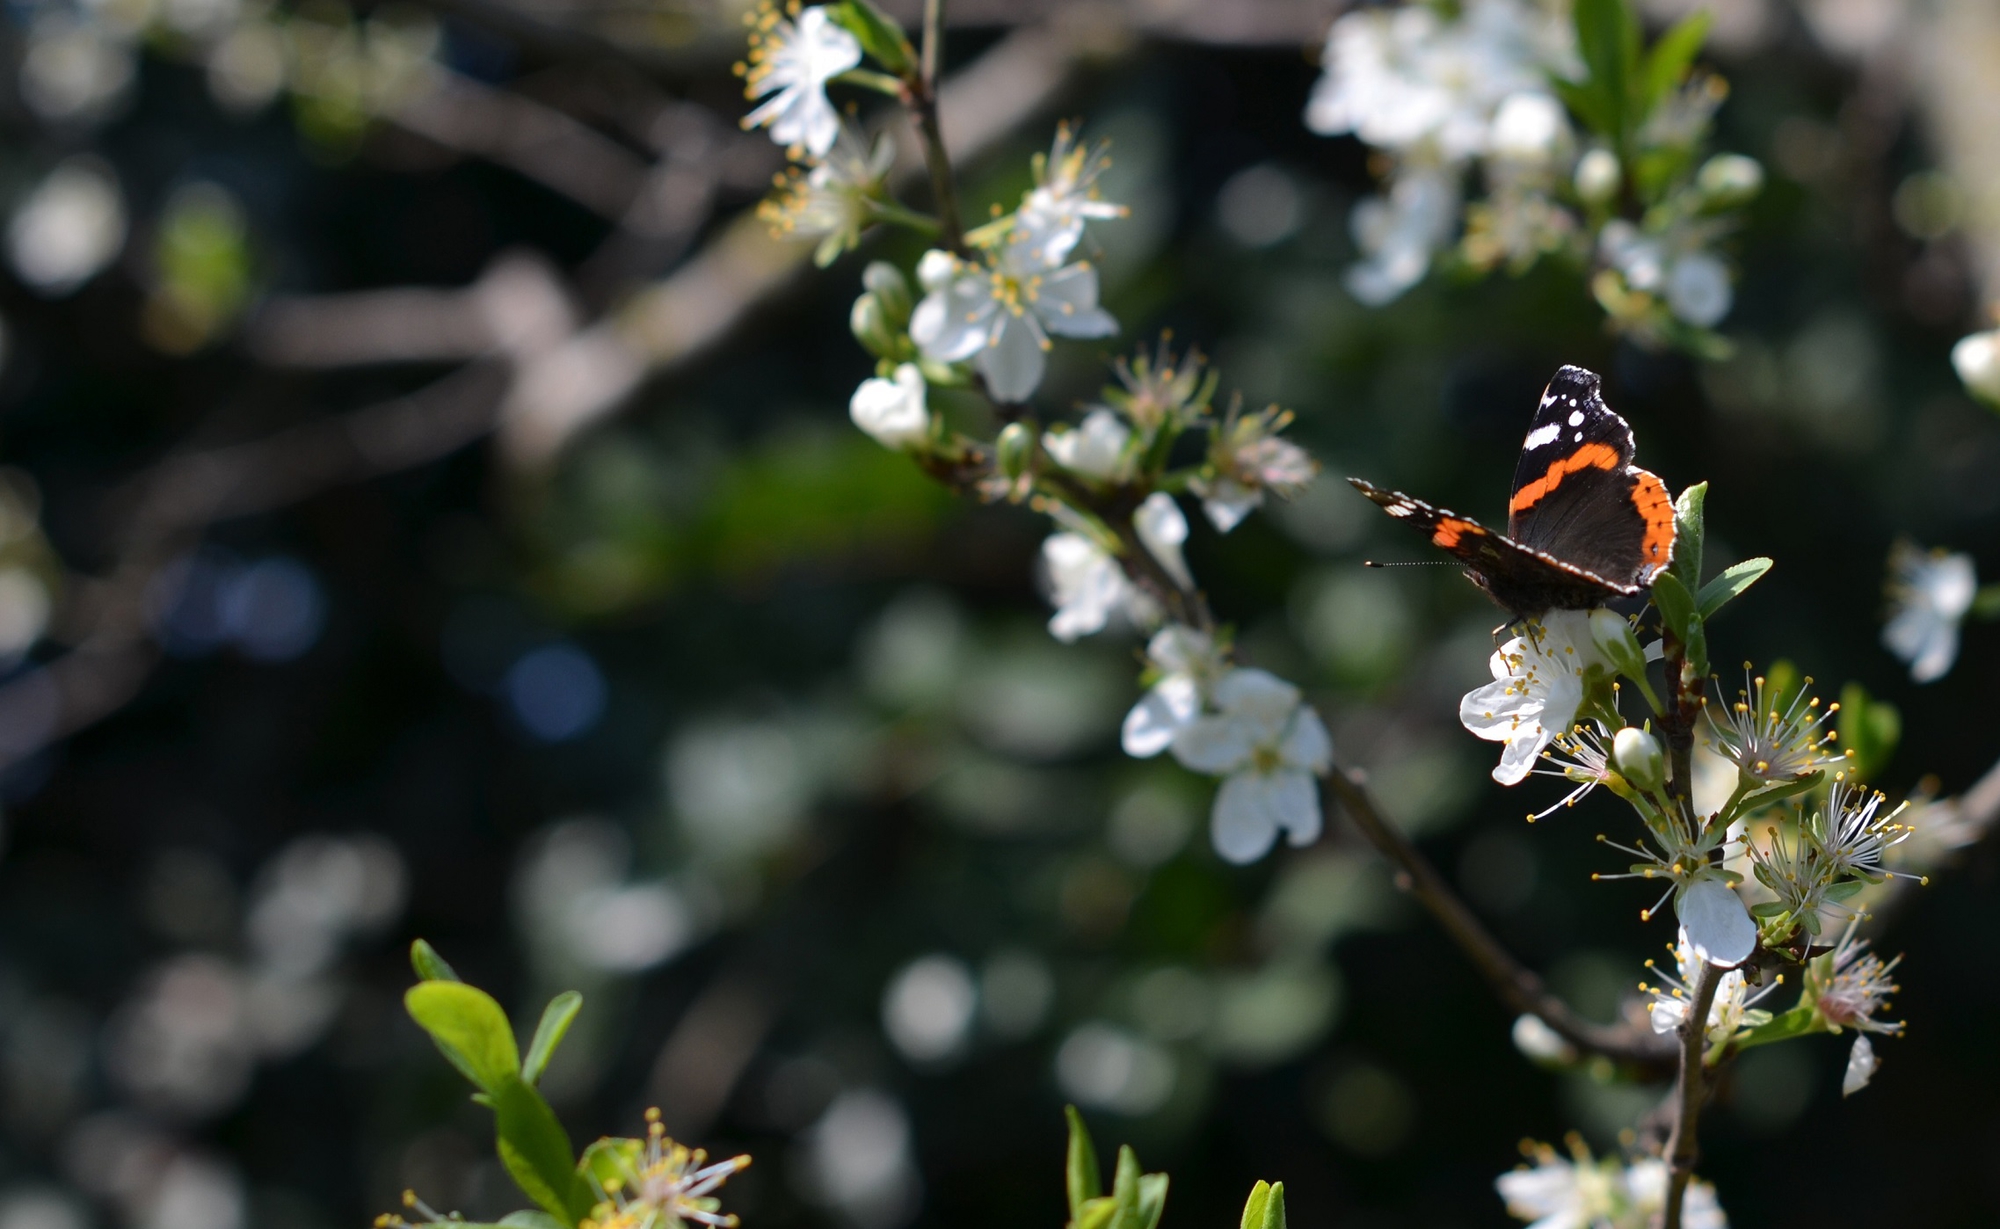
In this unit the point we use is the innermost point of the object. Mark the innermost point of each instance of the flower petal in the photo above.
(955, 323)
(1861, 1065)
(1307, 745)
(1162, 526)
(1013, 360)
(1066, 303)
(1214, 745)
(1242, 824)
(1718, 926)
(1292, 800)
(1150, 727)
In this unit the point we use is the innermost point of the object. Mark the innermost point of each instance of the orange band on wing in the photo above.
(1590, 456)
(1658, 509)
(1449, 531)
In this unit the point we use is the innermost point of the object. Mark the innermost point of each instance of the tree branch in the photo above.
(1689, 1089)
(1519, 987)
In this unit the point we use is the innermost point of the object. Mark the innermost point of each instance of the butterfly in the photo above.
(1584, 524)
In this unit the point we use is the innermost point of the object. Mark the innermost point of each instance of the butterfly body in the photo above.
(1584, 524)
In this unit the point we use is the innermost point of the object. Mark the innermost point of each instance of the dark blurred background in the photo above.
(566, 622)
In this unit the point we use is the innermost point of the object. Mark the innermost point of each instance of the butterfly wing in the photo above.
(1578, 498)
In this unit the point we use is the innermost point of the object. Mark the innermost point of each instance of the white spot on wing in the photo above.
(1399, 509)
(1579, 437)
(1542, 437)
(1576, 418)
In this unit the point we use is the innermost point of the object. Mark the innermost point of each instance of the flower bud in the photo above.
(1015, 448)
(935, 269)
(871, 326)
(1638, 758)
(1977, 361)
(1611, 633)
(1597, 176)
(1729, 179)
(890, 288)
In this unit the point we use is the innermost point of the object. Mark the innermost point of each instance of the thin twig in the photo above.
(923, 103)
(1683, 1145)
(1517, 986)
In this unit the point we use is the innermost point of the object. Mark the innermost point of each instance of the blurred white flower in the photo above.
(1188, 666)
(1407, 77)
(1646, 1181)
(856, 1160)
(928, 1008)
(42, 1207)
(1163, 529)
(1398, 233)
(1579, 1192)
(1105, 1067)
(1929, 595)
(835, 200)
(1530, 127)
(1976, 358)
(1089, 589)
(1051, 218)
(1698, 289)
(894, 411)
(793, 61)
(1000, 314)
(1674, 266)
(1094, 448)
(1269, 747)
(1536, 690)
(74, 68)
(69, 228)
(1249, 458)
(182, 1045)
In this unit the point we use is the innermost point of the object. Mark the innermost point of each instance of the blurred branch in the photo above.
(1519, 987)
(1691, 1085)
(707, 1053)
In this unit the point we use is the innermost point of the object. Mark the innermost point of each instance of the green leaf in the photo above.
(1758, 801)
(1986, 602)
(1690, 519)
(1672, 56)
(429, 965)
(1084, 1180)
(556, 1018)
(1608, 37)
(609, 1160)
(1677, 609)
(1125, 1191)
(1096, 1213)
(1265, 1208)
(535, 1149)
(1767, 908)
(1730, 585)
(1846, 889)
(1869, 732)
(469, 1029)
(1584, 102)
(880, 37)
(1152, 1199)
(1798, 1022)
(529, 1220)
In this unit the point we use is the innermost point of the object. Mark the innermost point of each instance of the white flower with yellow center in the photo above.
(1269, 747)
(1188, 666)
(792, 61)
(999, 314)
(1052, 215)
(1730, 1010)
(1537, 688)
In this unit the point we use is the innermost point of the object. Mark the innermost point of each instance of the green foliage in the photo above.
(428, 964)
(469, 1029)
(1869, 731)
(537, 1153)
(472, 1031)
(878, 35)
(556, 1019)
(1136, 1200)
(1622, 83)
(1731, 584)
(1265, 1209)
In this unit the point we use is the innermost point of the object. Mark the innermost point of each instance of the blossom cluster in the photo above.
(1576, 161)
(1560, 1192)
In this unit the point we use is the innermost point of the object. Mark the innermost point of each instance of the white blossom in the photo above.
(1716, 922)
(1579, 1192)
(1268, 746)
(1188, 666)
(1673, 266)
(1929, 595)
(1248, 458)
(1399, 232)
(1537, 688)
(834, 200)
(69, 228)
(1976, 358)
(1000, 314)
(1095, 448)
(1163, 528)
(893, 411)
(1089, 589)
(1728, 1012)
(1530, 127)
(1051, 218)
(792, 62)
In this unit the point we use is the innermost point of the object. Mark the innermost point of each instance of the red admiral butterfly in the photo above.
(1584, 524)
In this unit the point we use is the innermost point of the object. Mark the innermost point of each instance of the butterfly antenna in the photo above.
(1424, 563)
